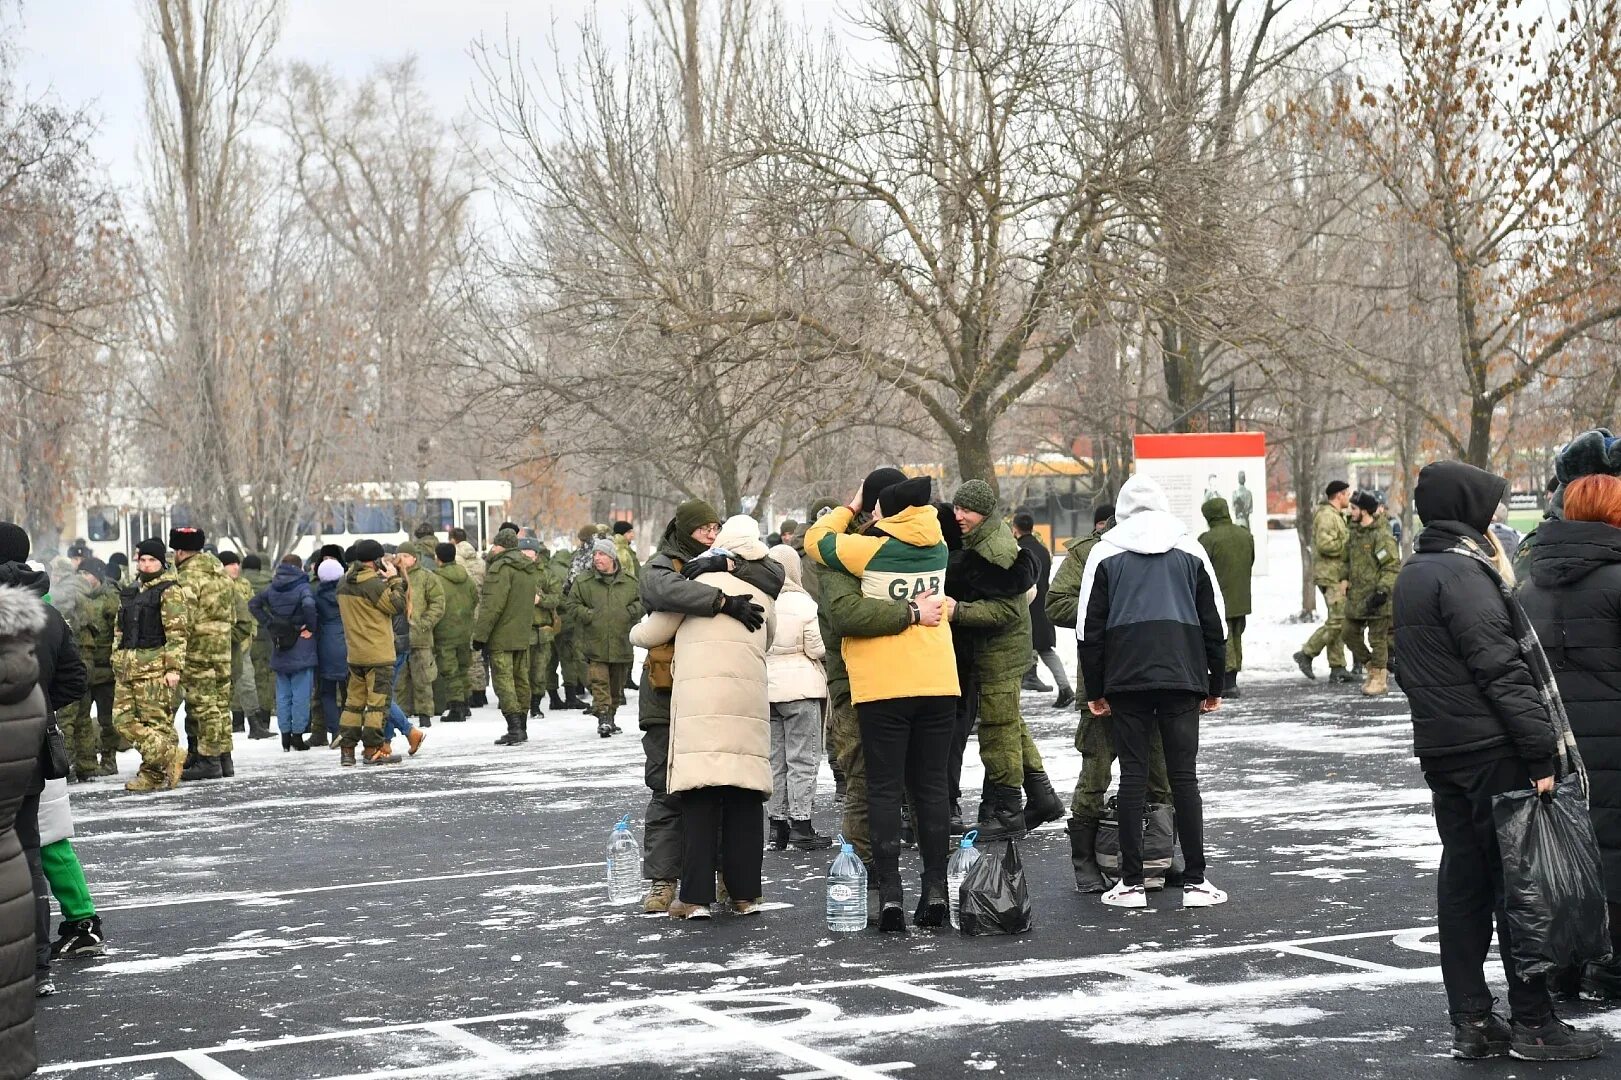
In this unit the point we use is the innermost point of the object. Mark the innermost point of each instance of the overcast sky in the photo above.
(87, 52)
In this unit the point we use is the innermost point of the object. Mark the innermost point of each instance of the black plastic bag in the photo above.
(993, 898)
(1553, 886)
(1160, 851)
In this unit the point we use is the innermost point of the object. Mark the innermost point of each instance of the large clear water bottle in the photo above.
(846, 892)
(962, 860)
(624, 865)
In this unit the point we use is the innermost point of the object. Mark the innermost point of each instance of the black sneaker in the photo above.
(1340, 675)
(1554, 1040)
(1303, 661)
(1602, 982)
(1475, 1040)
(81, 938)
(1066, 697)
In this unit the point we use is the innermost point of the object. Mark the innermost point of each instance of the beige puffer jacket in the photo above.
(794, 664)
(720, 707)
(470, 561)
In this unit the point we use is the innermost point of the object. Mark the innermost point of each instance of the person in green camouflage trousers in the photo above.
(244, 688)
(997, 648)
(1231, 549)
(205, 685)
(370, 594)
(88, 722)
(1373, 559)
(605, 604)
(468, 558)
(547, 618)
(1329, 532)
(453, 637)
(264, 681)
(426, 607)
(559, 564)
(1094, 735)
(504, 624)
(568, 646)
(149, 657)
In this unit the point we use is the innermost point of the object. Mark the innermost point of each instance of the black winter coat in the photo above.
(1472, 697)
(62, 674)
(1574, 600)
(1042, 634)
(22, 734)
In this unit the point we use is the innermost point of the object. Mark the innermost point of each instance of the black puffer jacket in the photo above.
(22, 733)
(1042, 634)
(1574, 600)
(1472, 697)
(62, 673)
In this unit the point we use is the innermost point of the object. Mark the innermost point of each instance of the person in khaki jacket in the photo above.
(369, 595)
(426, 609)
(1329, 533)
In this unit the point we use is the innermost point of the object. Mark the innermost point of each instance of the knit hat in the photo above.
(897, 497)
(605, 547)
(506, 539)
(367, 550)
(116, 559)
(790, 526)
(251, 562)
(445, 553)
(792, 569)
(1335, 487)
(411, 548)
(1366, 502)
(623, 527)
(153, 548)
(229, 558)
(1590, 453)
(425, 528)
(94, 566)
(977, 496)
(876, 482)
(187, 539)
(740, 535)
(822, 506)
(693, 515)
(14, 542)
(329, 570)
(586, 534)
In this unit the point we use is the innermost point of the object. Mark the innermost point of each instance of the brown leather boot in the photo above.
(1377, 683)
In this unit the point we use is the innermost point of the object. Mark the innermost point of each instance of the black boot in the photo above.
(554, 702)
(574, 701)
(191, 752)
(299, 743)
(478, 699)
(318, 737)
(227, 766)
(286, 742)
(1231, 689)
(1066, 697)
(523, 728)
(891, 904)
(1083, 856)
(204, 768)
(1602, 981)
(631, 684)
(239, 721)
(259, 726)
(958, 826)
(1042, 803)
(511, 738)
(779, 834)
(933, 908)
(1007, 815)
(534, 708)
(802, 836)
(1032, 681)
(424, 720)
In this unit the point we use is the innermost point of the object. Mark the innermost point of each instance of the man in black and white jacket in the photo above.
(1153, 653)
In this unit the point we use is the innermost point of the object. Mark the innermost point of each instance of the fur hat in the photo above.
(331, 551)
(790, 527)
(528, 543)
(975, 496)
(908, 493)
(187, 539)
(229, 558)
(506, 540)
(822, 506)
(586, 534)
(1589, 454)
(424, 529)
(252, 562)
(14, 542)
(367, 550)
(153, 547)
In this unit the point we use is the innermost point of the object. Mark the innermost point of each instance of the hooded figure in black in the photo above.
(1480, 727)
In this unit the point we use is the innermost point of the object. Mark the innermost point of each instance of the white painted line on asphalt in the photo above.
(206, 1067)
(939, 997)
(239, 897)
(770, 1040)
(886, 1067)
(487, 1051)
(1348, 961)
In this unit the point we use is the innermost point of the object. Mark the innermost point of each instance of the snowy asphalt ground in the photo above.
(445, 917)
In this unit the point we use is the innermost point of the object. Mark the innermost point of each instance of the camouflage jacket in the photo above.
(427, 604)
(245, 627)
(470, 560)
(1329, 531)
(211, 603)
(134, 664)
(548, 598)
(98, 626)
(1374, 560)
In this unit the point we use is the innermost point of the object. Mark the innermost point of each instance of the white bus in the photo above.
(116, 519)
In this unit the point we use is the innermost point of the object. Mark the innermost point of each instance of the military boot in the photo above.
(346, 755)
(1083, 856)
(424, 720)
(478, 699)
(239, 721)
(176, 766)
(1007, 815)
(191, 751)
(511, 738)
(574, 700)
(1230, 688)
(1377, 684)
(318, 736)
(1042, 803)
(227, 766)
(554, 702)
(259, 725)
(206, 767)
(534, 708)
(1032, 681)
(109, 764)
(660, 895)
(148, 780)
(523, 728)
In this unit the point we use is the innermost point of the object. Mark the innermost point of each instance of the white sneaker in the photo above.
(1126, 896)
(1203, 894)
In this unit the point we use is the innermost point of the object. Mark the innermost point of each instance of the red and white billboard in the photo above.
(1194, 466)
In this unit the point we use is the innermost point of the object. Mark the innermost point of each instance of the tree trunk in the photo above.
(972, 442)
(1479, 451)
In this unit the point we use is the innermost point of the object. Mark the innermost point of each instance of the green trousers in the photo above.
(1329, 635)
(61, 865)
(845, 731)
(1235, 644)
(509, 671)
(453, 661)
(1094, 738)
(1005, 746)
(1375, 650)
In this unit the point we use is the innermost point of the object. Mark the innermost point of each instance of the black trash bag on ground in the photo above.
(1161, 856)
(994, 898)
(1553, 885)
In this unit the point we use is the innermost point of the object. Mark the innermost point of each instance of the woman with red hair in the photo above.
(1573, 596)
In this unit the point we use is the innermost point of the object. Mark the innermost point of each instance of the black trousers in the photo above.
(907, 746)
(1469, 891)
(731, 819)
(967, 712)
(661, 829)
(28, 835)
(1175, 714)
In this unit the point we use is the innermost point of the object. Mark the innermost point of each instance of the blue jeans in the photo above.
(330, 689)
(396, 722)
(293, 701)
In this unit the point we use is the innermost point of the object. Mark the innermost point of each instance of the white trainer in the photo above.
(1126, 896)
(1203, 894)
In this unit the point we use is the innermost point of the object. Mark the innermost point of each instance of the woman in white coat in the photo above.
(798, 696)
(720, 728)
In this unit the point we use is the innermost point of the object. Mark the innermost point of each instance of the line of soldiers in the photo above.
(1355, 560)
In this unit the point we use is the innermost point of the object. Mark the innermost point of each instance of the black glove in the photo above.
(745, 611)
(478, 646)
(1375, 603)
(704, 564)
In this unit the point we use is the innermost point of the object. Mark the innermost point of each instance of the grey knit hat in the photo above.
(975, 495)
(605, 547)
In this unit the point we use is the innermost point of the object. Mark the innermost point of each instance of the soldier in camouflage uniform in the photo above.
(505, 623)
(149, 655)
(88, 722)
(1373, 560)
(205, 684)
(567, 645)
(427, 607)
(1329, 533)
(605, 604)
(562, 562)
(244, 631)
(453, 637)
(264, 682)
(548, 601)
(477, 675)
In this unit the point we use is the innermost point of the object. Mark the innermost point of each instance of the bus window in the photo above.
(495, 514)
(373, 518)
(470, 524)
(101, 523)
(331, 523)
(440, 512)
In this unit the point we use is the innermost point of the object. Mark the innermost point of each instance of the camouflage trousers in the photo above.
(607, 683)
(415, 694)
(365, 704)
(244, 685)
(1375, 650)
(89, 731)
(845, 731)
(540, 666)
(1235, 643)
(568, 656)
(264, 683)
(1094, 738)
(478, 676)
(1005, 746)
(1330, 634)
(453, 662)
(143, 713)
(509, 670)
(206, 690)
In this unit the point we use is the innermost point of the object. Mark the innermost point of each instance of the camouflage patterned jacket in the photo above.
(548, 598)
(211, 602)
(245, 627)
(1375, 560)
(468, 558)
(427, 605)
(1329, 531)
(131, 663)
(98, 626)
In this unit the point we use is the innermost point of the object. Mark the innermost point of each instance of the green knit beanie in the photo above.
(506, 540)
(977, 496)
(694, 514)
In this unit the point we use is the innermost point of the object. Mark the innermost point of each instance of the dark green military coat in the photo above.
(1232, 553)
(506, 604)
(604, 607)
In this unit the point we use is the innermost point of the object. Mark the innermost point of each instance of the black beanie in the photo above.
(229, 558)
(117, 558)
(1335, 487)
(623, 527)
(367, 550)
(1365, 502)
(251, 562)
(153, 547)
(876, 482)
(187, 539)
(14, 543)
(445, 553)
(94, 567)
(897, 497)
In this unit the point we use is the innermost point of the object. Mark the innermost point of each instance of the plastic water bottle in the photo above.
(624, 865)
(846, 892)
(962, 861)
